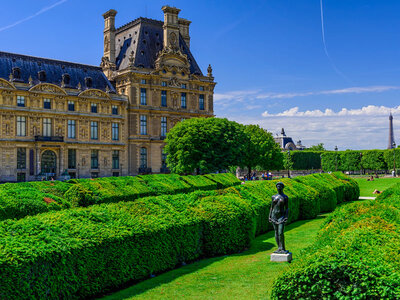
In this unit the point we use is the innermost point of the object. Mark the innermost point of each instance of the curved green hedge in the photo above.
(81, 252)
(356, 255)
(18, 200)
(326, 194)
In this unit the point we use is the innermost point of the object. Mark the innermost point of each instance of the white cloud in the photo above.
(364, 128)
(370, 110)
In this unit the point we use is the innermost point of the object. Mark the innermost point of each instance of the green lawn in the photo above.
(248, 275)
(381, 184)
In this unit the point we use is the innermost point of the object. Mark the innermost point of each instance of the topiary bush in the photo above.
(26, 198)
(351, 188)
(81, 252)
(224, 180)
(326, 194)
(354, 257)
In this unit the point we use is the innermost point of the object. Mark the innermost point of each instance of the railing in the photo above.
(41, 138)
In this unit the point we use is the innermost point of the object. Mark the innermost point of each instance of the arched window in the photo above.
(143, 157)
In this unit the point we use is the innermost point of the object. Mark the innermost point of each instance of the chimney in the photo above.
(109, 35)
(184, 30)
(171, 27)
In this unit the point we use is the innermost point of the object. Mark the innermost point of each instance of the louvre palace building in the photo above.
(65, 119)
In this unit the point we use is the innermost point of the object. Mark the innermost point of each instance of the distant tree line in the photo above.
(207, 145)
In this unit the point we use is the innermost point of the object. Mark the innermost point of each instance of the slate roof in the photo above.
(145, 38)
(31, 66)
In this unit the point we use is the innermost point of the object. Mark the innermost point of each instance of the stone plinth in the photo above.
(281, 257)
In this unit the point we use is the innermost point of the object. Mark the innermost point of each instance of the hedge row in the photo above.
(356, 255)
(18, 200)
(305, 160)
(81, 252)
(348, 160)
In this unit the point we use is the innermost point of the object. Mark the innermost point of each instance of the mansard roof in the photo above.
(144, 38)
(30, 66)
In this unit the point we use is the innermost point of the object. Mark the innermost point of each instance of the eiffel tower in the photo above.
(391, 135)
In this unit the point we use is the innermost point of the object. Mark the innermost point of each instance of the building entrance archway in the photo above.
(49, 163)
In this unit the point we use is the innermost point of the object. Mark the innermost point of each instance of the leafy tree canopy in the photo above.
(319, 147)
(205, 145)
(261, 150)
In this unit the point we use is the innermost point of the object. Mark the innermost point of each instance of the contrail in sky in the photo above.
(325, 49)
(43, 10)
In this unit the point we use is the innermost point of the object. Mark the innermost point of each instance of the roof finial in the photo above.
(79, 87)
(30, 81)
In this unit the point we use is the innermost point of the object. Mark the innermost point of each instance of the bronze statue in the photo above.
(278, 215)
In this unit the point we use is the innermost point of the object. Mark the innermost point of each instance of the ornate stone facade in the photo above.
(57, 116)
(47, 130)
(154, 67)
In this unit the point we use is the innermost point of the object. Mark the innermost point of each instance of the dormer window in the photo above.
(42, 76)
(88, 82)
(16, 73)
(66, 80)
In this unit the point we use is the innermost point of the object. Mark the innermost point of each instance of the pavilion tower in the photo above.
(391, 135)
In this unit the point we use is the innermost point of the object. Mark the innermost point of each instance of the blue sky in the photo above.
(268, 58)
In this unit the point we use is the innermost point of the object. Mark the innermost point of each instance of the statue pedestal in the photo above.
(281, 257)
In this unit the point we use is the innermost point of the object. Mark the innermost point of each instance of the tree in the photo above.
(373, 160)
(319, 147)
(288, 162)
(205, 145)
(261, 150)
(350, 160)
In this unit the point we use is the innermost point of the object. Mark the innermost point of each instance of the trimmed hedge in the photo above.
(224, 180)
(354, 257)
(30, 198)
(81, 252)
(326, 194)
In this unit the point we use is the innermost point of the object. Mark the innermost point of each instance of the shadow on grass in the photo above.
(260, 244)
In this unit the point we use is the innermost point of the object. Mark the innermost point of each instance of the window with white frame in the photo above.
(71, 129)
(21, 126)
(115, 131)
(46, 127)
(143, 125)
(94, 130)
(163, 126)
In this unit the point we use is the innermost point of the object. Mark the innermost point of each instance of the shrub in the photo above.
(19, 201)
(354, 257)
(351, 188)
(200, 182)
(161, 184)
(326, 194)
(80, 252)
(224, 180)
